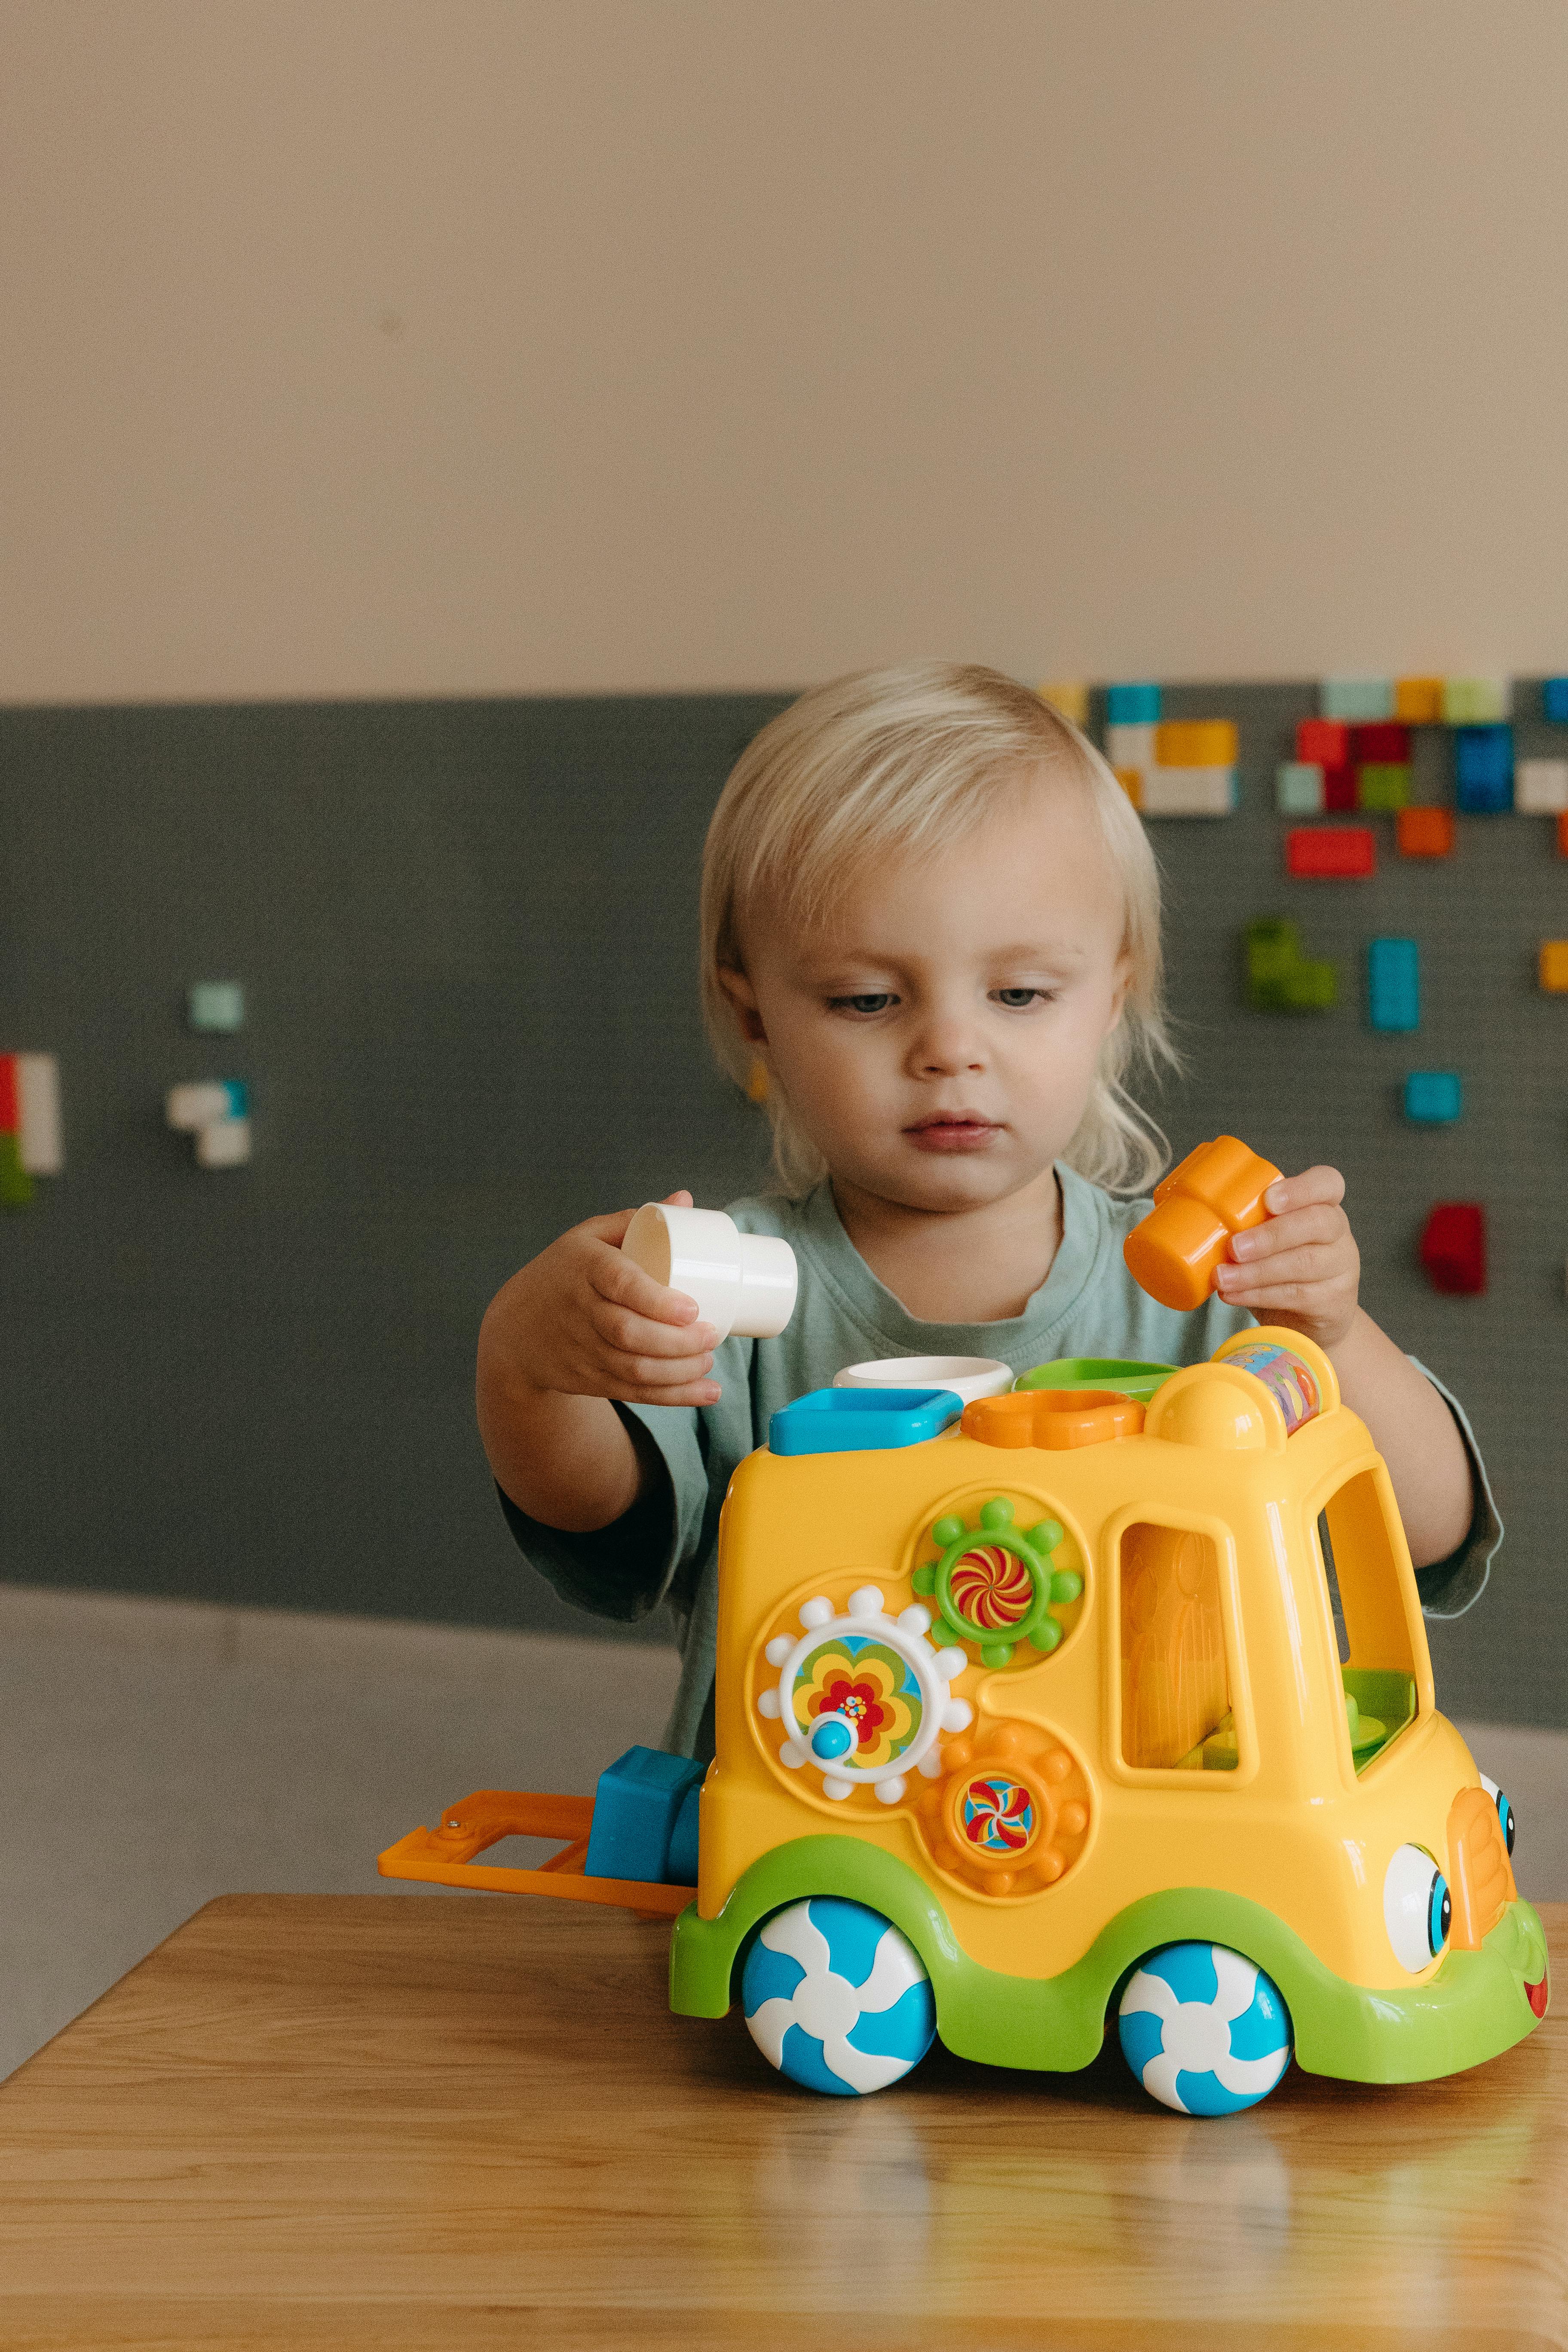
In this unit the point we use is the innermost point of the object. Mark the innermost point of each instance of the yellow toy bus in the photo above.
(1076, 1705)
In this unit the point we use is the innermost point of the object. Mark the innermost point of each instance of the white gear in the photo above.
(825, 1745)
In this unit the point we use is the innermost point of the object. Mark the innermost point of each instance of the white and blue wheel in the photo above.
(1205, 2030)
(837, 1998)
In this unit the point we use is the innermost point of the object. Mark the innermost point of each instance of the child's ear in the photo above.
(744, 997)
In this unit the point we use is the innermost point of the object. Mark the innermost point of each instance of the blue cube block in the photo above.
(1483, 769)
(1555, 697)
(1394, 985)
(1433, 1097)
(635, 1808)
(1131, 706)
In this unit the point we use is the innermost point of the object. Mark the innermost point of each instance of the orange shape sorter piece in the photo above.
(1216, 1192)
(1055, 1418)
(1554, 967)
(1425, 831)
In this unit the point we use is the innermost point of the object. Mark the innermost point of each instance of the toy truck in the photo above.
(1068, 1708)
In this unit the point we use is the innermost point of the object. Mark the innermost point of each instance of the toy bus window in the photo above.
(1175, 1673)
(1377, 1665)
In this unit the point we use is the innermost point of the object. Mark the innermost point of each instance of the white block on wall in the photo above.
(1540, 786)
(40, 1144)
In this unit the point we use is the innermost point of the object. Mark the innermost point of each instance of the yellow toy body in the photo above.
(1178, 1746)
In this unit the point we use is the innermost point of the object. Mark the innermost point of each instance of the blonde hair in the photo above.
(908, 761)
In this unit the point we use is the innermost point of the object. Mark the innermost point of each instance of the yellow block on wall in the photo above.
(1554, 966)
(1419, 701)
(1196, 743)
(1067, 695)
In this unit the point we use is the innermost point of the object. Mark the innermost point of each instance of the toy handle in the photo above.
(1217, 1190)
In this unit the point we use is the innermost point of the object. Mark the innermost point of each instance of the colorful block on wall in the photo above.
(1483, 770)
(1189, 792)
(1476, 701)
(1327, 742)
(1394, 985)
(1553, 967)
(1426, 833)
(1555, 697)
(1131, 748)
(1418, 700)
(1299, 788)
(1357, 698)
(216, 1004)
(1135, 705)
(1433, 1097)
(1279, 978)
(32, 1140)
(1070, 695)
(1196, 743)
(1383, 789)
(1454, 1249)
(1330, 853)
(1385, 745)
(1540, 786)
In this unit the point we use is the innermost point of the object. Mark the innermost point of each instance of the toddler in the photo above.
(932, 916)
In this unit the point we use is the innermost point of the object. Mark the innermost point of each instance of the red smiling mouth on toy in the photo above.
(952, 1130)
(1535, 1994)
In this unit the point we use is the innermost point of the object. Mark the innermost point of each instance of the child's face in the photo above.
(938, 1040)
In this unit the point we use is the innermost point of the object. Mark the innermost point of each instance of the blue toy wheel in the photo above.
(837, 1998)
(1204, 2029)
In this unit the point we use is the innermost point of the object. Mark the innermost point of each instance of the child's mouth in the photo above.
(952, 1134)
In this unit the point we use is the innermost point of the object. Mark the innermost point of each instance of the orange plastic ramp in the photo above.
(444, 1856)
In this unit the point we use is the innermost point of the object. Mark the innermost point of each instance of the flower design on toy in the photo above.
(863, 1697)
(994, 1585)
(1013, 1810)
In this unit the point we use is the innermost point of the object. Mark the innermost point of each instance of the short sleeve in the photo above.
(1448, 1587)
(626, 1569)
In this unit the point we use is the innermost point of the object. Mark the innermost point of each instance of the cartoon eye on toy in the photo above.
(995, 1586)
(1417, 1907)
(1504, 1804)
(865, 1697)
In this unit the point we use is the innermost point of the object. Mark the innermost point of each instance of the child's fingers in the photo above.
(619, 1282)
(1324, 1224)
(1304, 1192)
(697, 1392)
(625, 1335)
(1298, 1269)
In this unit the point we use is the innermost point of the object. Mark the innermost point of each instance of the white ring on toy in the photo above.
(934, 1672)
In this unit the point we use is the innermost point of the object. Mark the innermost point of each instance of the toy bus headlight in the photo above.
(1502, 1799)
(1417, 1907)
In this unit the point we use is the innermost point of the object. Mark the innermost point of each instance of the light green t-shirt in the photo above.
(666, 1548)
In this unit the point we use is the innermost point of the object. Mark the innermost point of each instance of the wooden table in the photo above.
(350, 2122)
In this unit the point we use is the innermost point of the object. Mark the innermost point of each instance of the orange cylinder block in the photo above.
(1216, 1192)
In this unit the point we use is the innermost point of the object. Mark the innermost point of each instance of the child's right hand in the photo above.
(581, 1320)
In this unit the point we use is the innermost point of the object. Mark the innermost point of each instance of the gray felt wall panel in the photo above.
(467, 934)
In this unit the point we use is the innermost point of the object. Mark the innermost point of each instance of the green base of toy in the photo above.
(1474, 2008)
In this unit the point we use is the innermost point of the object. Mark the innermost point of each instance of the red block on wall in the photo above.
(1382, 743)
(10, 1114)
(1329, 853)
(1339, 790)
(1323, 743)
(1454, 1249)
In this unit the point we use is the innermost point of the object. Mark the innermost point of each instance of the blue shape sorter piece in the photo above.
(1483, 770)
(860, 1420)
(1394, 985)
(636, 1807)
(1433, 1097)
(1131, 706)
(1555, 697)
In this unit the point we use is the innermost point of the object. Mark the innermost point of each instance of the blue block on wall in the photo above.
(1433, 1097)
(1483, 770)
(1555, 697)
(636, 1806)
(1394, 985)
(1131, 706)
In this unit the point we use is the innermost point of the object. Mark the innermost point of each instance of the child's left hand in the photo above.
(1302, 1266)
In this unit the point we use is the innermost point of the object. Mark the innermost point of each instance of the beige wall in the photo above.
(452, 346)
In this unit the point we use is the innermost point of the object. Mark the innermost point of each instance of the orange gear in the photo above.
(1012, 1811)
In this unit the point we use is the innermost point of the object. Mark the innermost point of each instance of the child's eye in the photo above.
(874, 1001)
(1016, 999)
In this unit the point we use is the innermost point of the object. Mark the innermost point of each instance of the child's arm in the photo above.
(1302, 1269)
(579, 1325)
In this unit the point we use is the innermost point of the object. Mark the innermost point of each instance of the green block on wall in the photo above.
(1382, 787)
(16, 1184)
(1279, 978)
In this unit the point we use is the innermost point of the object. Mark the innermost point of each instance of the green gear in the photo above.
(1033, 1547)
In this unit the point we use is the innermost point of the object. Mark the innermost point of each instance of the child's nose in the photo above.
(945, 1045)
